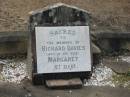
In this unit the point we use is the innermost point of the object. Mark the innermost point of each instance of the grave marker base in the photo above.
(64, 83)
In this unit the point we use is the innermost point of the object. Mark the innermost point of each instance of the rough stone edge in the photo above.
(55, 5)
(106, 35)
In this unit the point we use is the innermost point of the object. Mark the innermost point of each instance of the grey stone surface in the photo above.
(117, 65)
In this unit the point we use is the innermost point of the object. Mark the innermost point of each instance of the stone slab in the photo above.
(63, 83)
(64, 49)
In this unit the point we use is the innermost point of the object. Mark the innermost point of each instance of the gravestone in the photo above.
(59, 43)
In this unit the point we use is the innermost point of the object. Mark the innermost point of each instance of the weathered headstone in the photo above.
(59, 43)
